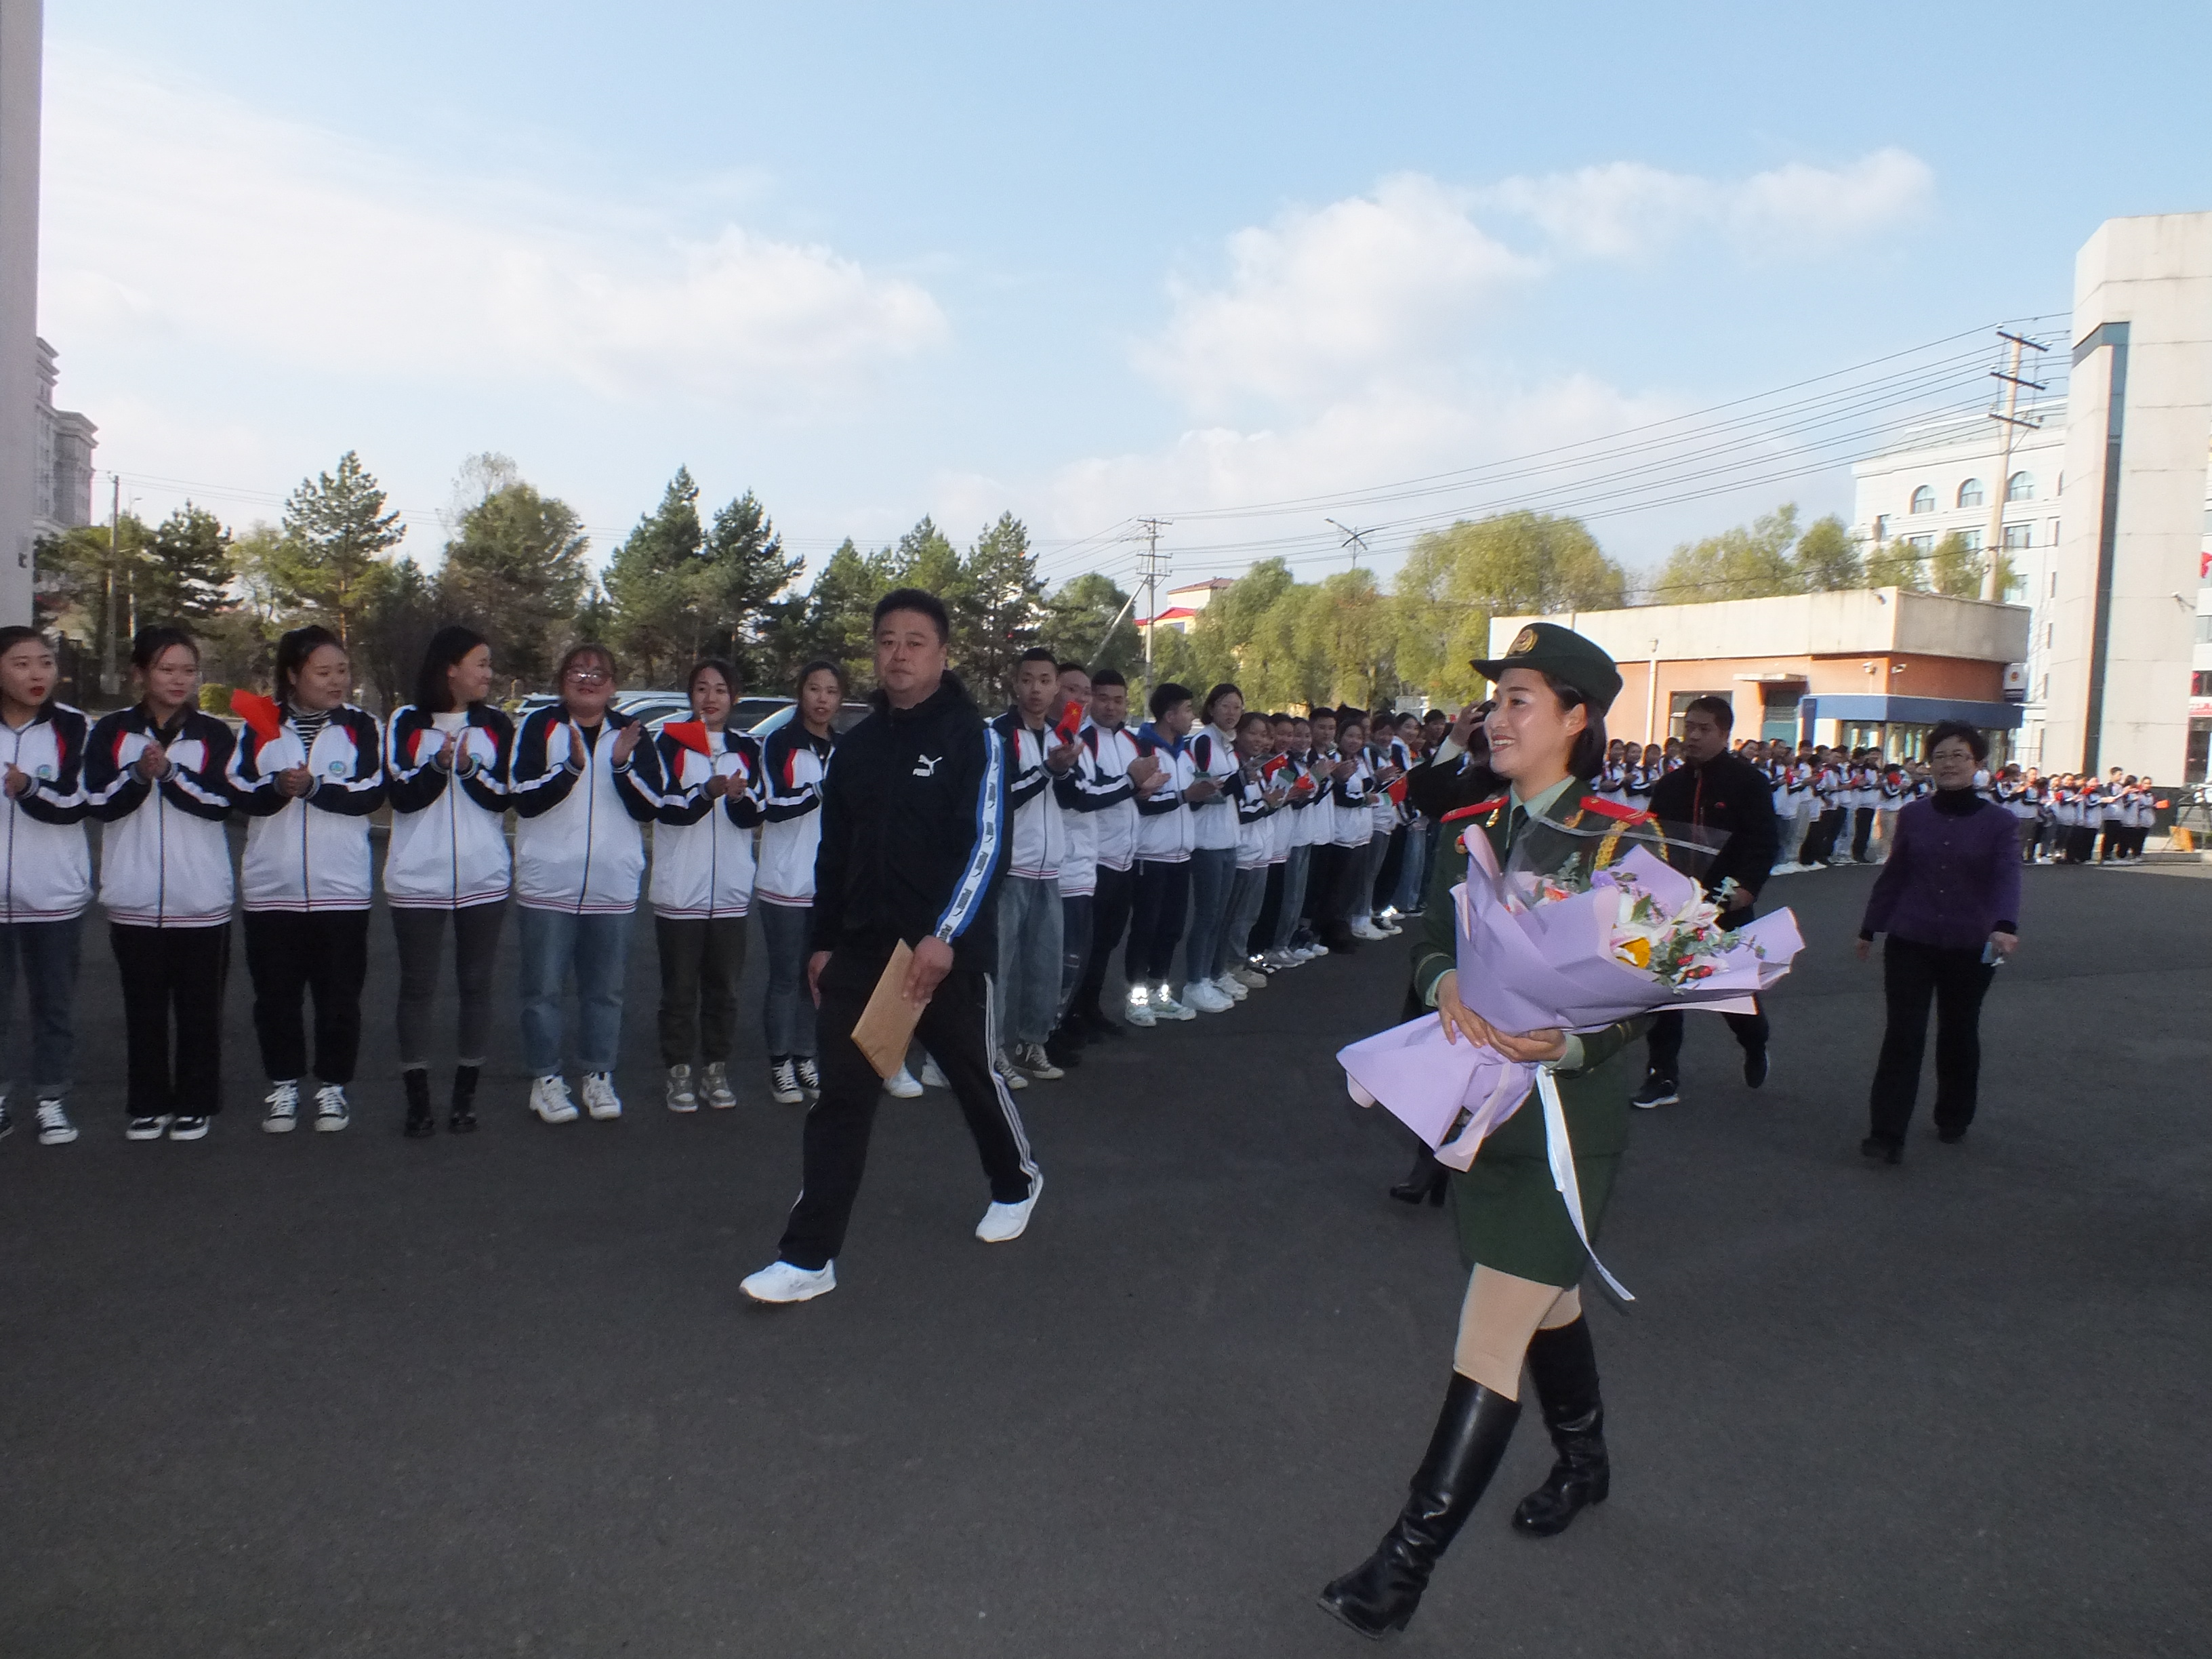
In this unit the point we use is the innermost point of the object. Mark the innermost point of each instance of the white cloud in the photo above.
(1326, 297)
(178, 217)
(1627, 210)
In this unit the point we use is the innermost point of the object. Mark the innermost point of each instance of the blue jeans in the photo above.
(596, 949)
(1028, 958)
(1213, 872)
(1246, 895)
(47, 952)
(1294, 897)
(1413, 871)
(788, 1017)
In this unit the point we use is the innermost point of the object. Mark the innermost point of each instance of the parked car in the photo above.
(850, 715)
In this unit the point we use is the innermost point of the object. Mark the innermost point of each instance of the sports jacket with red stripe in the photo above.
(309, 852)
(164, 859)
(448, 827)
(45, 867)
(792, 762)
(702, 847)
(577, 847)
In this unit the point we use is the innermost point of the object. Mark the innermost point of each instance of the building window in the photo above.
(1923, 500)
(1882, 527)
(1678, 702)
(2020, 487)
(2018, 535)
(2204, 630)
(2046, 637)
(1970, 493)
(1920, 544)
(1972, 538)
(2200, 682)
(2054, 584)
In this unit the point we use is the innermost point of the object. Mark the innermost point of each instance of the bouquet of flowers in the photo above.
(1585, 926)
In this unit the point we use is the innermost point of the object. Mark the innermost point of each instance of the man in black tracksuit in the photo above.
(1715, 791)
(914, 836)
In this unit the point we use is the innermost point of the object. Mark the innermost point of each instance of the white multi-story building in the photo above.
(21, 25)
(66, 441)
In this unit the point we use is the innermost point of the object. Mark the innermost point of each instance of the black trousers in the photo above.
(2115, 841)
(184, 969)
(1262, 936)
(959, 1030)
(701, 960)
(1158, 905)
(1912, 974)
(419, 932)
(1821, 839)
(1393, 865)
(1861, 832)
(1322, 871)
(1665, 1039)
(2080, 842)
(290, 953)
(1110, 920)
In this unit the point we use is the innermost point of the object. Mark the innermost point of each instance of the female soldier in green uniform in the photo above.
(1547, 741)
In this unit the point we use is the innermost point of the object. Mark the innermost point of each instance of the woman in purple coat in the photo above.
(1950, 900)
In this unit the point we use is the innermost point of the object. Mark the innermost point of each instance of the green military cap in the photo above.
(1551, 649)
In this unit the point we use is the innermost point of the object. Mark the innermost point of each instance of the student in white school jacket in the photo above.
(308, 777)
(46, 873)
(1037, 754)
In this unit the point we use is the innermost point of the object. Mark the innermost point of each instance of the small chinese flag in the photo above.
(692, 734)
(259, 712)
(1273, 765)
(1397, 792)
(1070, 723)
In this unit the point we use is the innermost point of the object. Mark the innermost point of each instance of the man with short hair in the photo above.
(1029, 893)
(1079, 864)
(914, 831)
(1717, 791)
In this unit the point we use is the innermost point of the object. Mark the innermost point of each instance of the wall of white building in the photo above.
(21, 25)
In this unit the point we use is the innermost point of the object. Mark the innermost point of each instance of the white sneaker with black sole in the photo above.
(188, 1128)
(779, 1282)
(151, 1127)
(1002, 1224)
(600, 1099)
(331, 1112)
(55, 1128)
(282, 1116)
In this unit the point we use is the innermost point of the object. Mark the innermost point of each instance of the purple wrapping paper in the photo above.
(1526, 969)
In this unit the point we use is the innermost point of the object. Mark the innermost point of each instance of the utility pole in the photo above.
(110, 679)
(1151, 565)
(2010, 421)
(1354, 539)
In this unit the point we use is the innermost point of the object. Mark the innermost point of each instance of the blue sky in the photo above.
(1080, 263)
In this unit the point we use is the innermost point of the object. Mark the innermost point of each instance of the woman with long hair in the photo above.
(154, 774)
(448, 754)
(47, 871)
(582, 781)
(307, 778)
(703, 885)
(794, 762)
(1214, 768)
(1547, 742)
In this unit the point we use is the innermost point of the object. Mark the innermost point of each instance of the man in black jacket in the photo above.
(1717, 791)
(913, 833)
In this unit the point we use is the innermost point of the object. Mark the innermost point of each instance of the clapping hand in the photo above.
(19, 781)
(626, 742)
(152, 763)
(295, 781)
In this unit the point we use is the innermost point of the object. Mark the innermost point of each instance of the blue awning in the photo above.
(1870, 709)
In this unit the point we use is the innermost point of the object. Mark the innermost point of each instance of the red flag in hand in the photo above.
(1273, 765)
(259, 712)
(1071, 722)
(692, 734)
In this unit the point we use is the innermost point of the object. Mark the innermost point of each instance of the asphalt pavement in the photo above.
(358, 1395)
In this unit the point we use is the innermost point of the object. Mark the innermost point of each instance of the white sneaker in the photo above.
(716, 1086)
(1002, 1224)
(1032, 1058)
(283, 1101)
(932, 1074)
(548, 1099)
(903, 1084)
(1236, 984)
(1361, 930)
(809, 1075)
(1139, 1010)
(55, 1128)
(1203, 996)
(783, 1084)
(152, 1126)
(1165, 1007)
(680, 1096)
(781, 1282)
(600, 1098)
(331, 1112)
(1009, 1073)
(1311, 952)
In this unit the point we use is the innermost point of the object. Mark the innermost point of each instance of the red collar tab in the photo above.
(1475, 810)
(1608, 809)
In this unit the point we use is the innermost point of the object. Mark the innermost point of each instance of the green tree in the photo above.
(833, 620)
(649, 584)
(1895, 563)
(1089, 621)
(925, 558)
(595, 617)
(1348, 624)
(398, 612)
(742, 571)
(514, 571)
(1954, 566)
(1827, 557)
(1002, 605)
(1741, 563)
(335, 530)
(188, 567)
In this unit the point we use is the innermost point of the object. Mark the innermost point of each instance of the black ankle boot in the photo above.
(1380, 1594)
(1563, 1367)
(420, 1119)
(462, 1116)
(1427, 1180)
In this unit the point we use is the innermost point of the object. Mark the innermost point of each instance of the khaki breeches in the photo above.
(1499, 1315)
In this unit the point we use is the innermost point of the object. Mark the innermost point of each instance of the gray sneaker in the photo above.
(55, 1128)
(716, 1085)
(680, 1096)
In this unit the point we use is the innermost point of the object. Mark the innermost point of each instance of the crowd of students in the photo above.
(1838, 805)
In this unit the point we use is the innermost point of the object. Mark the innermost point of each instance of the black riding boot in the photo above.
(462, 1117)
(1380, 1594)
(1563, 1367)
(1426, 1179)
(420, 1119)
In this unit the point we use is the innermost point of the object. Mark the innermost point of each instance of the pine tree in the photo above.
(186, 567)
(734, 590)
(834, 620)
(514, 571)
(1004, 602)
(336, 527)
(649, 584)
